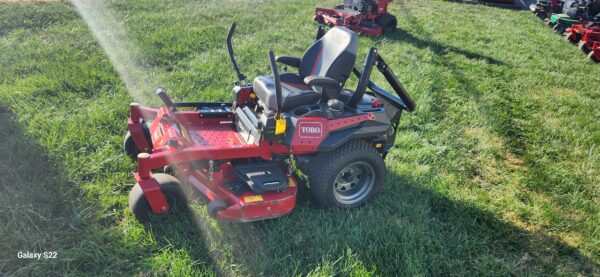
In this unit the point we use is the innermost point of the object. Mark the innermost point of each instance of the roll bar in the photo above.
(404, 101)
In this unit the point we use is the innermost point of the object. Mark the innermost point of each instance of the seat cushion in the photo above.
(293, 91)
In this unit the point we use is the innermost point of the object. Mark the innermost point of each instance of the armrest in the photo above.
(322, 82)
(288, 60)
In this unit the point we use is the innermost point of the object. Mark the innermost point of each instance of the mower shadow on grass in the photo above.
(457, 230)
(401, 35)
(409, 230)
(439, 49)
(423, 233)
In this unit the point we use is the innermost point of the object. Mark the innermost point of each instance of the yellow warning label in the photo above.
(280, 126)
(253, 198)
(292, 182)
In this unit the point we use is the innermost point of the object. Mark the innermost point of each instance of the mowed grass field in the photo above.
(497, 172)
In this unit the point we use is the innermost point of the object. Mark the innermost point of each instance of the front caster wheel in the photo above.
(583, 47)
(573, 38)
(593, 57)
(129, 143)
(171, 189)
(348, 176)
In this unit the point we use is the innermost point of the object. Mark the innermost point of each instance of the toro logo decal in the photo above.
(310, 129)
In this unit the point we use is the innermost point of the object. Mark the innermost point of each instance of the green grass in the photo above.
(495, 173)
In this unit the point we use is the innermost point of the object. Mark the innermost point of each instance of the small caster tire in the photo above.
(583, 47)
(171, 189)
(592, 56)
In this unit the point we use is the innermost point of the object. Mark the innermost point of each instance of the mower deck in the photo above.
(243, 204)
(183, 137)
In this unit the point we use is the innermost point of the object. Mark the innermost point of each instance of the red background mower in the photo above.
(576, 32)
(366, 17)
(239, 155)
(590, 43)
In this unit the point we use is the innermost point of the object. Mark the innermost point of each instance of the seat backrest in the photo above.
(331, 56)
(363, 6)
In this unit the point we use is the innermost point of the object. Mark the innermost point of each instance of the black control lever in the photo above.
(162, 93)
(241, 77)
(275, 72)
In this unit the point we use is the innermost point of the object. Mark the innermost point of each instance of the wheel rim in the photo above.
(354, 183)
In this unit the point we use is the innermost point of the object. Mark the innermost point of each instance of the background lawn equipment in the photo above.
(594, 53)
(366, 17)
(574, 12)
(576, 32)
(545, 8)
(560, 23)
(239, 155)
(589, 43)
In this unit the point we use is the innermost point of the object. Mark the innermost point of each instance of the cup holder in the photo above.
(302, 110)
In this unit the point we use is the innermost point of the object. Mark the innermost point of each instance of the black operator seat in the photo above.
(332, 56)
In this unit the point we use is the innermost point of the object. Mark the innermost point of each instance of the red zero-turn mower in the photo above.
(590, 43)
(239, 154)
(576, 32)
(366, 17)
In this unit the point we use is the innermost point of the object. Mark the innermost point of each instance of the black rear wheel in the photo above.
(387, 22)
(560, 29)
(348, 176)
(541, 14)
